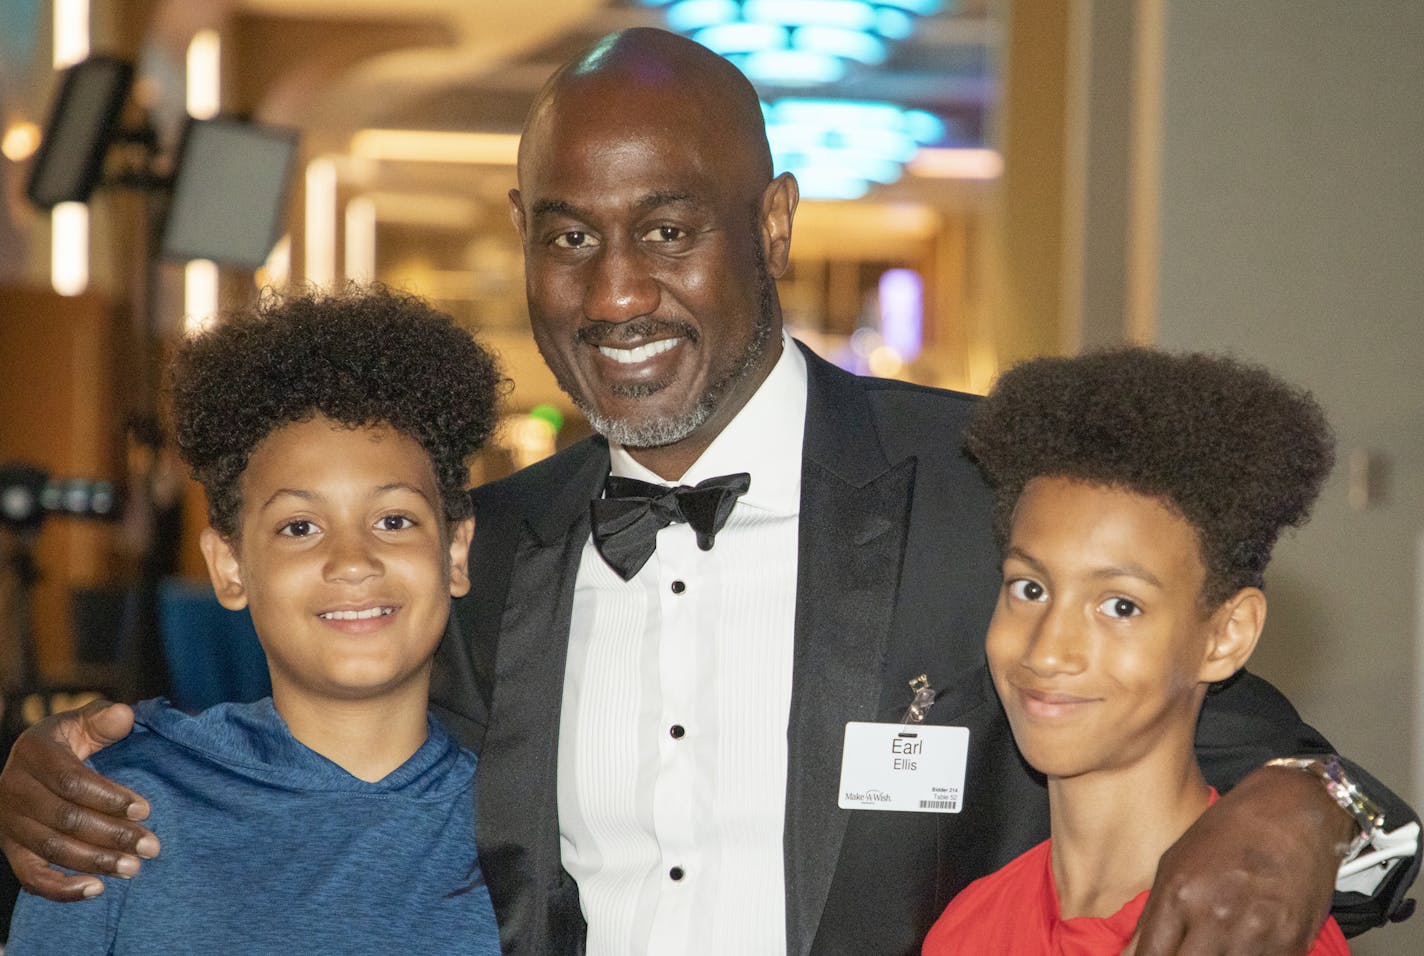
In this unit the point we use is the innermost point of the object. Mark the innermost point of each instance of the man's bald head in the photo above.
(653, 76)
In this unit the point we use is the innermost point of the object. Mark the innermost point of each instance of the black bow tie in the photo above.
(626, 521)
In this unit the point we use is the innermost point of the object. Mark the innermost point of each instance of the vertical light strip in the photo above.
(361, 240)
(69, 222)
(276, 272)
(204, 82)
(200, 295)
(69, 248)
(203, 93)
(1077, 106)
(1144, 240)
(321, 223)
(71, 32)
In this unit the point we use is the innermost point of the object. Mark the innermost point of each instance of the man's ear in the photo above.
(778, 210)
(1235, 628)
(223, 570)
(460, 536)
(516, 214)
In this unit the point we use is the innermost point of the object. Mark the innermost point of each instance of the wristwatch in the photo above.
(1365, 812)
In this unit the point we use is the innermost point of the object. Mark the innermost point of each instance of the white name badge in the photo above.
(903, 767)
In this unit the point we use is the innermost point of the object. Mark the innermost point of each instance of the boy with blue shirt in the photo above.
(331, 434)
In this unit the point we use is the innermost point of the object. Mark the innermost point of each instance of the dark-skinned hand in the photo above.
(1254, 874)
(53, 809)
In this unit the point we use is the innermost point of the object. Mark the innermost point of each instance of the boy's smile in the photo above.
(343, 559)
(363, 615)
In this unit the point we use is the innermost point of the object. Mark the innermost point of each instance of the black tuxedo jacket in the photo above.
(898, 575)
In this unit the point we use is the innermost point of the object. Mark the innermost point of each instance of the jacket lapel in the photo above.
(535, 901)
(855, 509)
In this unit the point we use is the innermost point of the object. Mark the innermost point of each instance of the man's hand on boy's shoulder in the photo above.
(55, 810)
(1254, 875)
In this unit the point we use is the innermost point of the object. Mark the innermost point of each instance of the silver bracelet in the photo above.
(1345, 792)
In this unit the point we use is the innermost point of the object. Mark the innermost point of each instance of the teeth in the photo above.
(640, 354)
(357, 615)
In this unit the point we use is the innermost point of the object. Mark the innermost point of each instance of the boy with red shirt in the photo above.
(1139, 495)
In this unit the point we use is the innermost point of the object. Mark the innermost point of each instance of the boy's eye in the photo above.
(1119, 607)
(1026, 589)
(297, 529)
(395, 523)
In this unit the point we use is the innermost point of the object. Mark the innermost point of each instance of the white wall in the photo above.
(1292, 232)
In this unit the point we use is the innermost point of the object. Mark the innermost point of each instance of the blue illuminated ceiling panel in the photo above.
(837, 148)
(797, 42)
(843, 111)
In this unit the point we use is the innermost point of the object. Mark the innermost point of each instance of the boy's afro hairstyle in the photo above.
(1231, 448)
(365, 356)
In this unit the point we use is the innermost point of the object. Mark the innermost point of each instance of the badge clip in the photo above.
(923, 700)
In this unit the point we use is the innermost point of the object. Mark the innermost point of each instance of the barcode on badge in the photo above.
(950, 805)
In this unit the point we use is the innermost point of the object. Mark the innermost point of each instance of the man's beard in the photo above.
(672, 429)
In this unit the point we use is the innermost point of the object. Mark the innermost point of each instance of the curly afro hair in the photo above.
(1231, 448)
(365, 356)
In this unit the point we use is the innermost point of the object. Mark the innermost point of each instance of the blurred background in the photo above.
(984, 181)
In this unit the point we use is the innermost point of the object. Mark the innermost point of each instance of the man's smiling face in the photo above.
(646, 259)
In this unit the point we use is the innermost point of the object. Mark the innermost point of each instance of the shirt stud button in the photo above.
(677, 731)
(675, 873)
(678, 587)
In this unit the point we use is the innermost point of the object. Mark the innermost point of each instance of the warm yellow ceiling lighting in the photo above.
(426, 146)
(361, 240)
(201, 279)
(69, 248)
(424, 209)
(204, 65)
(21, 140)
(71, 32)
(320, 222)
(956, 164)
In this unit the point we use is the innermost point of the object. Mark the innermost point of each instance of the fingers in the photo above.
(102, 723)
(1252, 875)
(51, 752)
(1159, 931)
(61, 831)
(41, 879)
(1249, 944)
(1231, 918)
(55, 810)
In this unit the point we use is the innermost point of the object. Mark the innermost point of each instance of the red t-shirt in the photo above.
(1014, 912)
